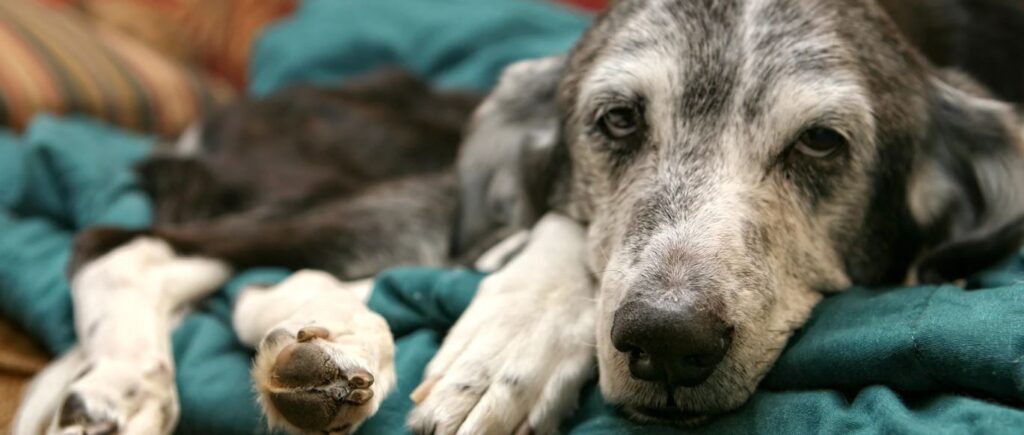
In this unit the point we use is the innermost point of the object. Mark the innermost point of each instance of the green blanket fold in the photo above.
(908, 360)
(456, 43)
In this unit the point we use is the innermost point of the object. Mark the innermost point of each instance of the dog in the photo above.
(347, 180)
(696, 175)
(725, 164)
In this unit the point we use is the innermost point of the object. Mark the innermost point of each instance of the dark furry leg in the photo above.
(183, 189)
(398, 223)
(404, 222)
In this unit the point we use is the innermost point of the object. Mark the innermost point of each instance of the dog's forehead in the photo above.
(703, 53)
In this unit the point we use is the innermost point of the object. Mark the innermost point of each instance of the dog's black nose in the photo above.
(676, 345)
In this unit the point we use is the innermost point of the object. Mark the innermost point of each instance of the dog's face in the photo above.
(734, 158)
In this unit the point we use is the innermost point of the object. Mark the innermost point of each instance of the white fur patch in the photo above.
(523, 349)
(358, 340)
(500, 254)
(124, 303)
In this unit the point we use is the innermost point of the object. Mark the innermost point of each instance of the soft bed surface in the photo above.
(904, 360)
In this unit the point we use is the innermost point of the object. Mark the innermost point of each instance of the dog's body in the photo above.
(348, 180)
(723, 163)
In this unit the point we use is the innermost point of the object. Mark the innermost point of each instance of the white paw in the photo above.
(118, 397)
(328, 366)
(145, 270)
(514, 362)
(123, 303)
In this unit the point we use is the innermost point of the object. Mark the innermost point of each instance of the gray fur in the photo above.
(513, 132)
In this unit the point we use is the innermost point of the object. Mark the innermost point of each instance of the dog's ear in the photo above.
(967, 193)
(505, 164)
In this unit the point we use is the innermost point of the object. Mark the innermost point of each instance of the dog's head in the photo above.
(735, 158)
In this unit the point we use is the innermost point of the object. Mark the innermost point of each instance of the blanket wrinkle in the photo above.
(918, 354)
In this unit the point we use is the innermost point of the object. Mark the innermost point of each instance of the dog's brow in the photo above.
(795, 104)
(781, 40)
(638, 75)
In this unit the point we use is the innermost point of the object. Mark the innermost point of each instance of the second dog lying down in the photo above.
(348, 181)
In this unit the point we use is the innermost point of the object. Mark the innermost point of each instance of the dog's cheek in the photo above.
(772, 295)
(760, 341)
(603, 241)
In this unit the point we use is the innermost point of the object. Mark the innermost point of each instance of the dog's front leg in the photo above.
(518, 357)
(124, 304)
(325, 361)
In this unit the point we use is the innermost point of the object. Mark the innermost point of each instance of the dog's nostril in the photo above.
(676, 346)
(642, 367)
(696, 360)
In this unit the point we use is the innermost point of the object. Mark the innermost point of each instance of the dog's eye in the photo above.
(620, 122)
(820, 142)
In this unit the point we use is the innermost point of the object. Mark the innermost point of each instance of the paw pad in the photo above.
(308, 389)
(304, 365)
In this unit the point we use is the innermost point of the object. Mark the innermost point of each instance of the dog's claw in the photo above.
(359, 396)
(423, 390)
(104, 429)
(361, 379)
(310, 332)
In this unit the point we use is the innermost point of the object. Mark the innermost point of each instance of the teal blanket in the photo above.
(910, 360)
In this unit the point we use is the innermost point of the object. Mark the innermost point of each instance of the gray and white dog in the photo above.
(696, 173)
(728, 161)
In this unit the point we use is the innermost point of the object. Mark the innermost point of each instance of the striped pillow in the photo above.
(215, 34)
(54, 60)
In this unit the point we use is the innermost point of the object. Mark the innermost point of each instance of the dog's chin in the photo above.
(646, 403)
(663, 409)
(665, 415)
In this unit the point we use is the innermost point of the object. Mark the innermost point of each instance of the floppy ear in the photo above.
(506, 162)
(967, 192)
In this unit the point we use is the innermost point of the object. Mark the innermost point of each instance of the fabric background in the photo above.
(57, 61)
(216, 35)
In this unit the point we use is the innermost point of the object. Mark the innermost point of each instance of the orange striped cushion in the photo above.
(217, 34)
(54, 60)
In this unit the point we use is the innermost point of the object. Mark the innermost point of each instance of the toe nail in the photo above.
(422, 391)
(359, 397)
(361, 379)
(274, 337)
(310, 332)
